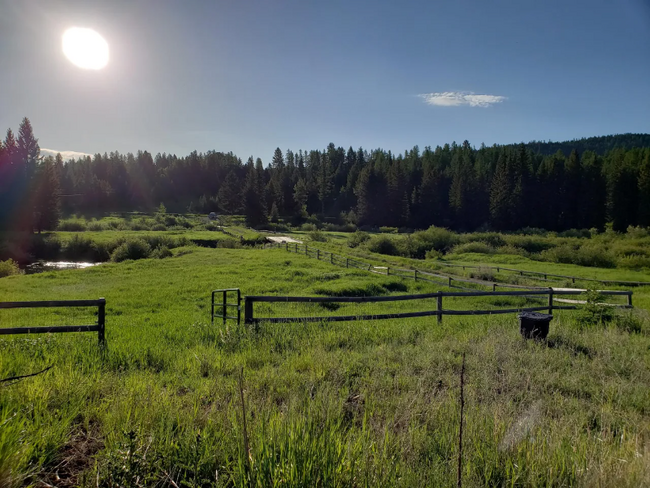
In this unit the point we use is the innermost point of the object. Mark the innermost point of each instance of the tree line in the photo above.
(456, 186)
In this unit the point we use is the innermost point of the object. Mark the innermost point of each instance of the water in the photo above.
(42, 266)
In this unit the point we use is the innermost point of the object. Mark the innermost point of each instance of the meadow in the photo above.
(327, 404)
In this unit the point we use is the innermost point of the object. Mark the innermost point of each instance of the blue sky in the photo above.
(251, 75)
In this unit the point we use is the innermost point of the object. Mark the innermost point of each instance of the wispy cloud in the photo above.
(65, 154)
(456, 99)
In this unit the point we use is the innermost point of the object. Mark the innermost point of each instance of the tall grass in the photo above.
(328, 404)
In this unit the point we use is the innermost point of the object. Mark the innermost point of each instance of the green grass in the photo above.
(328, 404)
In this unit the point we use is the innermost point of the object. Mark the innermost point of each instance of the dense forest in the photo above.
(586, 184)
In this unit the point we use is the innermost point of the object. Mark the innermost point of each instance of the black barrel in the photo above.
(534, 325)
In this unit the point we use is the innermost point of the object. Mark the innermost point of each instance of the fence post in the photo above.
(224, 311)
(248, 310)
(415, 275)
(449, 282)
(318, 254)
(439, 307)
(212, 310)
(331, 258)
(629, 300)
(387, 270)
(286, 245)
(494, 287)
(296, 248)
(347, 263)
(101, 321)
(550, 301)
(238, 306)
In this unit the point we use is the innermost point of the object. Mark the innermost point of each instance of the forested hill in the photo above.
(457, 186)
(600, 145)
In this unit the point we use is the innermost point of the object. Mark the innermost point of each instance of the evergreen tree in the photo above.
(47, 202)
(254, 199)
(229, 195)
(500, 197)
(644, 191)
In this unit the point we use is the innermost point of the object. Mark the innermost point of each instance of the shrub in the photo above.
(131, 249)
(629, 321)
(95, 226)
(593, 312)
(358, 238)
(72, 225)
(477, 247)
(517, 251)
(308, 227)
(433, 254)
(583, 256)
(633, 262)
(437, 238)
(530, 244)
(160, 227)
(582, 233)
(383, 245)
(8, 268)
(318, 236)
(80, 249)
(485, 274)
(45, 247)
(492, 239)
(388, 230)
(229, 244)
(161, 253)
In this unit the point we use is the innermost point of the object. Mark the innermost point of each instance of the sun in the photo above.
(85, 48)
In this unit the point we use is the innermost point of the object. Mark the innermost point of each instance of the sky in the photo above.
(248, 76)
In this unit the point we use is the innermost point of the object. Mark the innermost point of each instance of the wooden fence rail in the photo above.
(427, 276)
(99, 327)
(249, 301)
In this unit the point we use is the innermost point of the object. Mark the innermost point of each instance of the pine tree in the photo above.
(254, 199)
(47, 202)
(229, 195)
(644, 191)
(500, 197)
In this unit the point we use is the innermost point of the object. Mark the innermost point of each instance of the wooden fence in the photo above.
(249, 305)
(414, 274)
(99, 327)
(417, 274)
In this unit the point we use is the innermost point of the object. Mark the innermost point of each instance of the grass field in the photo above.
(327, 404)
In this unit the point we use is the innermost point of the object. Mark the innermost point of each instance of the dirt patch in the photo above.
(75, 457)
(282, 239)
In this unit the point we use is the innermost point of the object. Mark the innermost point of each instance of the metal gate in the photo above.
(220, 306)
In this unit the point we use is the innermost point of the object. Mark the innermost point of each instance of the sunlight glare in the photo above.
(85, 48)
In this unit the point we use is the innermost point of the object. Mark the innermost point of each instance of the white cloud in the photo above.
(456, 99)
(65, 154)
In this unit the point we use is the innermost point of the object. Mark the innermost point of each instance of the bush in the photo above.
(95, 226)
(485, 274)
(629, 321)
(492, 239)
(437, 238)
(8, 268)
(318, 236)
(583, 256)
(80, 249)
(72, 225)
(388, 230)
(160, 227)
(582, 233)
(45, 247)
(131, 249)
(228, 244)
(530, 244)
(633, 262)
(517, 251)
(358, 238)
(383, 245)
(161, 253)
(308, 227)
(477, 247)
(433, 254)
(594, 312)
